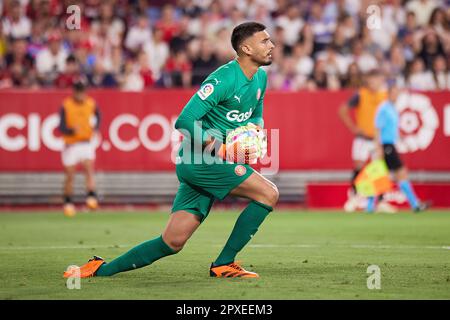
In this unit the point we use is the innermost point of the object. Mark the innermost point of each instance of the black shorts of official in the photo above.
(391, 157)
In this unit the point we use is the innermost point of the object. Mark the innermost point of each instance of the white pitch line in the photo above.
(353, 246)
(63, 247)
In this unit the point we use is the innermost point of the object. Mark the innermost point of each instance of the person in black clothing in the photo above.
(205, 63)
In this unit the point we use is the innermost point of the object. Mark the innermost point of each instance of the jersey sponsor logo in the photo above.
(238, 98)
(205, 91)
(240, 170)
(234, 115)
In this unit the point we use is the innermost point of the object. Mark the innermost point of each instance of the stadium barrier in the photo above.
(137, 137)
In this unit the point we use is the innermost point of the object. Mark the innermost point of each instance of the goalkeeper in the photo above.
(230, 97)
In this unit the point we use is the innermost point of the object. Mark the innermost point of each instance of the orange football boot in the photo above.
(86, 271)
(92, 203)
(232, 270)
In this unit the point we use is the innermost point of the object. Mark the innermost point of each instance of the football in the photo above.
(249, 135)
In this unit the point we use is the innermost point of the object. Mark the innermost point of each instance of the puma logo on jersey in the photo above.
(237, 98)
(234, 115)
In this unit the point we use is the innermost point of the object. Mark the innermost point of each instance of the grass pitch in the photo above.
(299, 255)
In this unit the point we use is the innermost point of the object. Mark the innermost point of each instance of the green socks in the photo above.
(245, 228)
(140, 256)
(149, 251)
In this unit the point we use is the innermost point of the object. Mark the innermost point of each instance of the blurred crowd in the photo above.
(135, 45)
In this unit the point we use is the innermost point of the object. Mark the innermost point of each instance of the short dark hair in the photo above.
(374, 72)
(243, 31)
(79, 85)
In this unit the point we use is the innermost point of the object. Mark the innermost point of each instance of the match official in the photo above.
(386, 136)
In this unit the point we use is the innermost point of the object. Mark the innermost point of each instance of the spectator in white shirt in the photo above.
(52, 60)
(139, 34)
(17, 25)
(363, 59)
(291, 23)
(419, 78)
(422, 9)
(441, 73)
(157, 52)
(335, 63)
(391, 17)
(131, 80)
(304, 64)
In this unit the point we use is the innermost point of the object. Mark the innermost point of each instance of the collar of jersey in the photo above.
(242, 72)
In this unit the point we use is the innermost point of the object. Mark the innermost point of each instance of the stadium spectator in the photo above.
(100, 78)
(71, 73)
(392, 15)
(353, 78)
(37, 40)
(441, 74)
(167, 24)
(139, 34)
(287, 78)
(394, 66)
(363, 58)
(205, 63)
(343, 34)
(131, 79)
(16, 24)
(419, 78)
(145, 70)
(422, 10)
(113, 31)
(320, 79)
(181, 40)
(292, 23)
(52, 60)
(83, 51)
(19, 65)
(410, 26)
(157, 51)
(323, 26)
(178, 71)
(431, 47)
(224, 51)
(304, 64)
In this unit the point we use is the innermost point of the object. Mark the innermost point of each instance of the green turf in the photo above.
(298, 255)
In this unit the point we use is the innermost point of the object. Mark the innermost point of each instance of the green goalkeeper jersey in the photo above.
(227, 99)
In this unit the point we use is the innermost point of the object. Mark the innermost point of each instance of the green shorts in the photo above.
(202, 184)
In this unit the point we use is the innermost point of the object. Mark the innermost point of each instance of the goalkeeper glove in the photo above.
(234, 152)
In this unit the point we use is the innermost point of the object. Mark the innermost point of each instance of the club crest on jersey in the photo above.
(258, 94)
(240, 170)
(205, 91)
